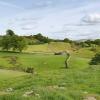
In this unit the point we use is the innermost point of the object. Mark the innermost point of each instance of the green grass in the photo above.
(84, 52)
(52, 47)
(48, 84)
(37, 61)
(6, 74)
(51, 81)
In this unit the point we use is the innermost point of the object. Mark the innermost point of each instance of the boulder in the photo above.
(29, 93)
(9, 90)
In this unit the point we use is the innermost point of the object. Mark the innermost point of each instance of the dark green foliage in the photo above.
(12, 41)
(10, 32)
(20, 44)
(6, 43)
(67, 40)
(83, 44)
(42, 38)
(95, 60)
(37, 39)
(58, 53)
(89, 42)
(30, 70)
(97, 42)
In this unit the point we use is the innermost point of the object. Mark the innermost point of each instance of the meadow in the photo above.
(50, 80)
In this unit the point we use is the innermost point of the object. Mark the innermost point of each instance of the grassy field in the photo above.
(6, 74)
(50, 81)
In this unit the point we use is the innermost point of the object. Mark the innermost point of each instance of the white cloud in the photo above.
(58, 22)
(92, 18)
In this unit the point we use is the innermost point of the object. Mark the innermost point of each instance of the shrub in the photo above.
(95, 60)
(30, 70)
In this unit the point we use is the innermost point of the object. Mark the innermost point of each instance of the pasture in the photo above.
(50, 80)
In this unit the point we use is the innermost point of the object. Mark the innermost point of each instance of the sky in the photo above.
(74, 19)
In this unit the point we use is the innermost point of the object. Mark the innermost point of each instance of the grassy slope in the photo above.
(52, 81)
(52, 47)
(84, 52)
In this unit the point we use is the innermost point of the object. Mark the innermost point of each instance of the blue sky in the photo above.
(75, 19)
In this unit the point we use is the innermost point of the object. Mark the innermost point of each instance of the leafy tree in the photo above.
(89, 42)
(97, 42)
(83, 44)
(67, 40)
(12, 41)
(95, 60)
(21, 44)
(42, 38)
(7, 40)
(10, 32)
(6, 43)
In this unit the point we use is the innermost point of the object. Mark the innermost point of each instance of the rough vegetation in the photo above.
(39, 73)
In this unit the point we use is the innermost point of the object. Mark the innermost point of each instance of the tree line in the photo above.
(11, 41)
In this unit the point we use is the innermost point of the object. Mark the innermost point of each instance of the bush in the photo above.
(95, 60)
(30, 70)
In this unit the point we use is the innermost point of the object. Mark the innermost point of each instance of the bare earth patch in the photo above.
(90, 98)
(3, 93)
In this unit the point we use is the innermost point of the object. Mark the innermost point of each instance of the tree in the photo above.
(89, 42)
(95, 60)
(7, 40)
(42, 38)
(67, 40)
(6, 43)
(10, 32)
(97, 42)
(13, 41)
(21, 44)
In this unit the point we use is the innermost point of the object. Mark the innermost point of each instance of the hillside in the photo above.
(50, 80)
(49, 48)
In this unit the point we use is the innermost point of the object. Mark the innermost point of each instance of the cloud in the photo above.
(28, 27)
(91, 18)
(9, 5)
(54, 19)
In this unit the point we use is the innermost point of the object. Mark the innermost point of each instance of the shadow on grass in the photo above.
(9, 51)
